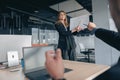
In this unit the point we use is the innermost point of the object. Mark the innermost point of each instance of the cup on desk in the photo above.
(22, 63)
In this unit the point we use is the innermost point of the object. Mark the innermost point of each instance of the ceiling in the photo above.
(72, 7)
(42, 7)
(87, 4)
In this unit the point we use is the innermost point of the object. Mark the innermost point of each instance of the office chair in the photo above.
(85, 51)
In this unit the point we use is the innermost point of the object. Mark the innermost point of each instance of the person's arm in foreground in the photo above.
(54, 64)
(110, 37)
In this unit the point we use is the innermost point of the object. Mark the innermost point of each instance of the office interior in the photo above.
(31, 23)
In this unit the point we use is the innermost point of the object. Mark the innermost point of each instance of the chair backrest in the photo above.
(82, 47)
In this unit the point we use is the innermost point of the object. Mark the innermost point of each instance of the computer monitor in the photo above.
(13, 43)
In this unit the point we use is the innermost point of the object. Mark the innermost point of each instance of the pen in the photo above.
(85, 24)
(14, 70)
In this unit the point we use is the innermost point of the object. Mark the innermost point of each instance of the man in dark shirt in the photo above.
(54, 64)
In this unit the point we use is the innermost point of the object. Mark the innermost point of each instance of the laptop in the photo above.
(34, 62)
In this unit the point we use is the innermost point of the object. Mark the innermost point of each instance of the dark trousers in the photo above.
(69, 54)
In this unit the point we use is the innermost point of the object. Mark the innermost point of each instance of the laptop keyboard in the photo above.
(41, 74)
(38, 75)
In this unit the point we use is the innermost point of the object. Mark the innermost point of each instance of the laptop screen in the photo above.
(34, 58)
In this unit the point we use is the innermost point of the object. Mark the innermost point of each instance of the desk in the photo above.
(81, 71)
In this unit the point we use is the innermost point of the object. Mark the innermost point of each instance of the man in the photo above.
(54, 64)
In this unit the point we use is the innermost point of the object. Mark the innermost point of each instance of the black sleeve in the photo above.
(110, 37)
(75, 33)
(84, 31)
(60, 28)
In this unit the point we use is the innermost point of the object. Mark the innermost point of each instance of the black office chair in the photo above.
(85, 51)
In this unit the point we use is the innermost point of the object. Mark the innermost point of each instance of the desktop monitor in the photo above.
(13, 43)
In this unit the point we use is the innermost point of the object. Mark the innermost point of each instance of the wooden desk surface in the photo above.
(81, 71)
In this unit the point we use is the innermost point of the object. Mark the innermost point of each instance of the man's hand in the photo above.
(91, 26)
(54, 64)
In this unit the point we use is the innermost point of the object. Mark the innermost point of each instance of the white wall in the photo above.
(13, 43)
(100, 17)
(104, 54)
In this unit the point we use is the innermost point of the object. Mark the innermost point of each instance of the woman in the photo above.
(66, 40)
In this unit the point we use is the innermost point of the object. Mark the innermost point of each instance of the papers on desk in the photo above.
(2, 67)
